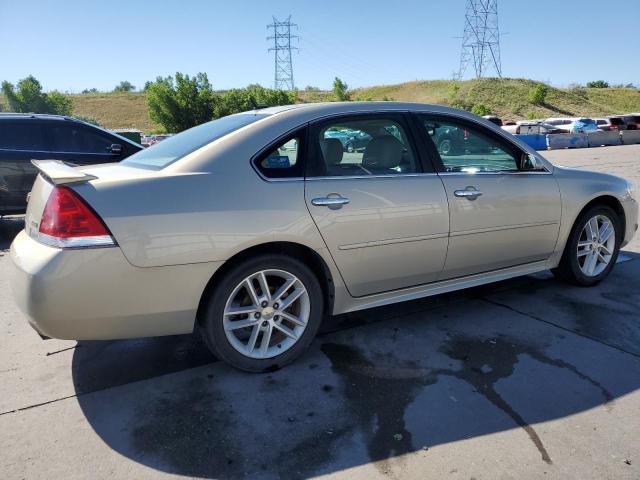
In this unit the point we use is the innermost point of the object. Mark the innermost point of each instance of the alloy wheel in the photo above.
(596, 245)
(266, 313)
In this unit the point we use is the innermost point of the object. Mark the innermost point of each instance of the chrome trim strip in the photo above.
(351, 177)
(391, 241)
(505, 172)
(501, 228)
(76, 242)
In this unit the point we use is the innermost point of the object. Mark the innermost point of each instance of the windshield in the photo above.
(174, 148)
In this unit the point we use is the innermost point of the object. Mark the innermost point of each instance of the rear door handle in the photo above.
(470, 193)
(335, 202)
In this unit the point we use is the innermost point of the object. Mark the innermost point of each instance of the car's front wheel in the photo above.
(592, 247)
(263, 313)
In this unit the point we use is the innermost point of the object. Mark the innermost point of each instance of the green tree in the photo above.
(597, 84)
(28, 97)
(90, 90)
(340, 90)
(124, 86)
(181, 103)
(481, 109)
(538, 94)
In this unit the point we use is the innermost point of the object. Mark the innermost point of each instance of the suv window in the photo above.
(69, 137)
(21, 135)
(467, 148)
(283, 160)
(375, 145)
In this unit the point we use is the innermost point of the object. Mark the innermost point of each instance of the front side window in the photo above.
(362, 146)
(469, 149)
(282, 160)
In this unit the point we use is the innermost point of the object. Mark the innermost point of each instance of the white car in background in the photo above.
(531, 127)
(573, 125)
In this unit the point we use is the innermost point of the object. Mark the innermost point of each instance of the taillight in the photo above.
(68, 222)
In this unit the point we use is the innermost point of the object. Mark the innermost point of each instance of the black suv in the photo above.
(26, 137)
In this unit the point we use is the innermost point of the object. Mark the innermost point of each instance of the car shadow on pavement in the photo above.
(376, 385)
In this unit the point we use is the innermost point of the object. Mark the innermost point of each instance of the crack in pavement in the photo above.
(549, 322)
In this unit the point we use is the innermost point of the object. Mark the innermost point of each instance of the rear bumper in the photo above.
(97, 294)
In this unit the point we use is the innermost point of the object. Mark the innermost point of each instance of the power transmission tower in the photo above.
(282, 47)
(481, 38)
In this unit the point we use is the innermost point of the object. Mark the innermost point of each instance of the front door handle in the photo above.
(468, 193)
(335, 202)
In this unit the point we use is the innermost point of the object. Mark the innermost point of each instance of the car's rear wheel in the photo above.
(592, 248)
(263, 313)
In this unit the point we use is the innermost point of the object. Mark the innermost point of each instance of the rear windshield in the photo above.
(174, 148)
(616, 121)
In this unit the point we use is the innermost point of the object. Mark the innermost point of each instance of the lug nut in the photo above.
(276, 318)
(256, 315)
(265, 323)
(264, 304)
(276, 306)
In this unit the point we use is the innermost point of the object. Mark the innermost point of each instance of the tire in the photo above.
(572, 269)
(231, 292)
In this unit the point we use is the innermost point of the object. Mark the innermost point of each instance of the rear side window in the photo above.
(362, 146)
(21, 135)
(616, 121)
(69, 137)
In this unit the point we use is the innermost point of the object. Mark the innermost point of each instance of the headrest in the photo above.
(383, 152)
(331, 151)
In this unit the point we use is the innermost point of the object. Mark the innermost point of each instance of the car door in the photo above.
(503, 212)
(383, 217)
(21, 140)
(79, 144)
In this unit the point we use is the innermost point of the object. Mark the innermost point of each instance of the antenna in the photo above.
(481, 38)
(282, 47)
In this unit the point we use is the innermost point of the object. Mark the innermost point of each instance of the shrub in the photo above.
(243, 99)
(340, 90)
(481, 109)
(538, 94)
(124, 86)
(597, 84)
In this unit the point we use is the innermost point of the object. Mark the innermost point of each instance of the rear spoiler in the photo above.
(59, 173)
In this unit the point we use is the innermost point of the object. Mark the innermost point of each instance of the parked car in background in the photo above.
(573, 125)
(532, 127)
(493, 119)
(253, 228)
(610, 123)
(632, 121)
(26, 137)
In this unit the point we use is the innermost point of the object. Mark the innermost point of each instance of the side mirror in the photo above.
(531, 163)
(115, 148)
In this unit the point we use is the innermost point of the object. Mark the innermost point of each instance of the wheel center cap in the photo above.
(268, 312)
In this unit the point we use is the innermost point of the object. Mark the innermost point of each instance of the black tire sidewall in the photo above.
(212, 324)
(570, 266)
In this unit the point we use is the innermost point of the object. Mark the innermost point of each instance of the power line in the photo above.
(481, 38)
(282, 47)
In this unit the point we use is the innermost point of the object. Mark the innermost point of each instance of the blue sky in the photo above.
(72, 45)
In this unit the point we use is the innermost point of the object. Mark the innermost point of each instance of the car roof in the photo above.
(46, 116)
(319, 110)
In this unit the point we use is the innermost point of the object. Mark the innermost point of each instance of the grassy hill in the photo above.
(507, 98)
